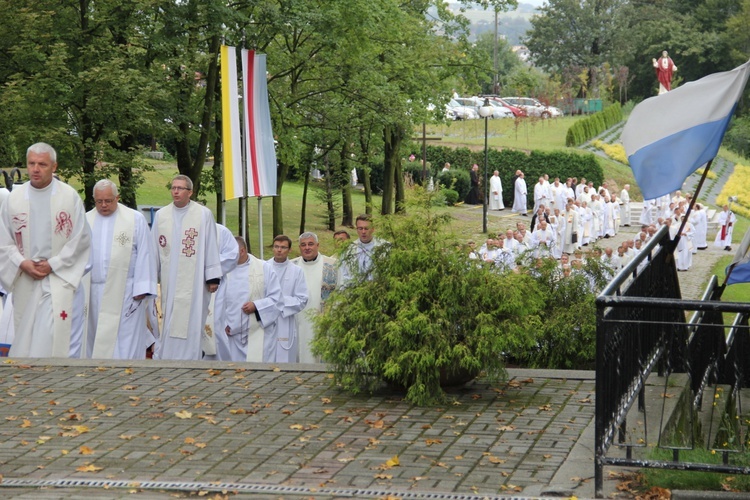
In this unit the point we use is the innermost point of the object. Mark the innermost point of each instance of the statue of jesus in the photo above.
(664, 69)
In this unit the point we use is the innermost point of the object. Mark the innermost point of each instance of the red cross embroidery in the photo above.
(64, 315)
(189, 242)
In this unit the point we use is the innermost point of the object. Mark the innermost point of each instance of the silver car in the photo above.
(462, 112)
(533, 107)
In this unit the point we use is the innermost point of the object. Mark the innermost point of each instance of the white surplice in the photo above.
(281, 343)
(320, 279)
(496, 193)
(117, 322)
(229, 252)
(47, 223)
(519, 196)
(252, 281)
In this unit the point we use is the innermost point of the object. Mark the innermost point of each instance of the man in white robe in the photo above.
(44, 248)
(496, 192)
(541, 194)
(570, 241)
(647, 214)
(726, 227)
(684, 251)
(519, 194)
(543, 240)
(229, 252)
(321, 279)
(252, 304)
(555, 190)
(122, 278)
(360, 252)
(625, 205)
(189, 271)
(700, 225)
(281, 344)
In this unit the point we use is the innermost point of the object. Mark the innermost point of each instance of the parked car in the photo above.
(462, 112)
(517, 111)
(533, 107)
(498, 110)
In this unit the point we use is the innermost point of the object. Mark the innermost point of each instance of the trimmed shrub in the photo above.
(451, 196)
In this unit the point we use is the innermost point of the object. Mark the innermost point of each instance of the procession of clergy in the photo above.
(571, 215)
(84, 285)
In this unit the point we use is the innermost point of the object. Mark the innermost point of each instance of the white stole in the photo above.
(255, 333)
(110, 311)
(192, 224)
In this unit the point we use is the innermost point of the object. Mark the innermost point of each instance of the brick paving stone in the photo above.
(246, 418)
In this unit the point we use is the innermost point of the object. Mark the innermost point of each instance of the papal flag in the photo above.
(230, 125)
(259, 142)
(670, 136)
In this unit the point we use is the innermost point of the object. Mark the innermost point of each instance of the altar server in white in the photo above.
(321, 279)
(123, 277)
(189, 271)
(44, 249)
(252, 303)
(229, 252)
(282, 340)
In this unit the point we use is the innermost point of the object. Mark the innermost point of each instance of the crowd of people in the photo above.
(569, 216)
(104, 285)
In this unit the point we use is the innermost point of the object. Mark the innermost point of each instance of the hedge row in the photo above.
(560, 164)
(587, 128)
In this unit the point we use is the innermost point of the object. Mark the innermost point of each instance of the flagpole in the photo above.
(260, 226)
(693, 200)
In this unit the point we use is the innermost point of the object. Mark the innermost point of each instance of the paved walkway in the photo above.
(147, 427)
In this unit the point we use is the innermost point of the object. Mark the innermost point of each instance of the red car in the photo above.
(517, 112)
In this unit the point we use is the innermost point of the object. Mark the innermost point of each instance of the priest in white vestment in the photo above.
(727, 220)
(496, 192)
(570, 241)
(625, 205)
(252, 304)
(519, 194)
(360, 252)
(321, 275)
(281, 343)
(541, 194)
(44, 249)
(229, 252)
(700, 224)
(122, 278)
(189, 271)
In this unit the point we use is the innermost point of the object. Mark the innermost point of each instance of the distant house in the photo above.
(522, 51)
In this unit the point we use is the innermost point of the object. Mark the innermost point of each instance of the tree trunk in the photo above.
(218, 175)
(388, 170)
(347, 218)
(303, 212)
(129, 145)
(278, 213)
(365, 163)
(330, 208)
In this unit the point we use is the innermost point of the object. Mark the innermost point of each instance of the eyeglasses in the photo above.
(279, 247)
(179, 188)
(104, 202)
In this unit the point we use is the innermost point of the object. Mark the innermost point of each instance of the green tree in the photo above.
(75, 75)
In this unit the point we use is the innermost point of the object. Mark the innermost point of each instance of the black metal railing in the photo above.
(642, 327)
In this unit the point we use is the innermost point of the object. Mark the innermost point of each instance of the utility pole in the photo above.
(495, 90)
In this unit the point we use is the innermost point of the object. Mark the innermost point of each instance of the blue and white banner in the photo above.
(670, 136)
(740, 266)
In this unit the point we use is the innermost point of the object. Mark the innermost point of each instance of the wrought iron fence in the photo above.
(644, 327)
